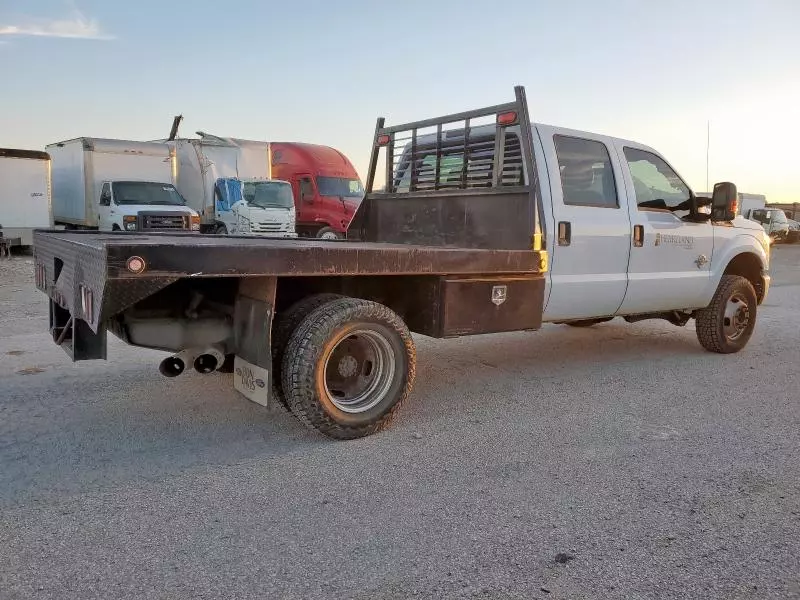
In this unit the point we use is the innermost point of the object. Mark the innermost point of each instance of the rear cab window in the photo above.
(477, 173)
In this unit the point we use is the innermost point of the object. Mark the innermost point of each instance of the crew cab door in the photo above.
(105, 209)
(670, 257)
(590, 241)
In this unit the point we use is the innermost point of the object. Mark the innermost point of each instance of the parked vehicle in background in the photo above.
(774, 222)
(24, 194)
(327, 190)
(794, 232)
(751, 202)
(454, 245)
(227, 182)
(117, 185)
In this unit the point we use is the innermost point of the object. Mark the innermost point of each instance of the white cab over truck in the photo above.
(24, 194)
(479, 229)
(227, 181)
(117, 185)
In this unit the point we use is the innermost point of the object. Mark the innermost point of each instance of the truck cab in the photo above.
(255, 206)
(144, 206)
(627, 237)
(326, 187)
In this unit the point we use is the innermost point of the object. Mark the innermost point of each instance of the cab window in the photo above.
(656, 184)
(587, 177)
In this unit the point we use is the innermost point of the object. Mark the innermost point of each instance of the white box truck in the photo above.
(117, 185)
(24, 194)
(227, 182)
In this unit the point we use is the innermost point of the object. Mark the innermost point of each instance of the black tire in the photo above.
(725, 325)
(221, 230)
(348, 325)
(329, 231)
(588, 322)
(285, 323)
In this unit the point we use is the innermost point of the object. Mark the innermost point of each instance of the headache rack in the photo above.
(461, 180)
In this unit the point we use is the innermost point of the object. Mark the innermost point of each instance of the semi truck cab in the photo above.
(326, 186)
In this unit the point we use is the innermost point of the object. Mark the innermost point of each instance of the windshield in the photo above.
(340, 186)
(145, 192)
(268, 194)
(778, 216)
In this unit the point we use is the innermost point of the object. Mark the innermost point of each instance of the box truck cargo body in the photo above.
(24, 194)
(116, 185)
(219, 178)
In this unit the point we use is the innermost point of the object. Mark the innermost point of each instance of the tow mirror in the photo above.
(724, 202)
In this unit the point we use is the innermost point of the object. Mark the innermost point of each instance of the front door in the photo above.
(105, 208)
(670, 257)
(592, 231)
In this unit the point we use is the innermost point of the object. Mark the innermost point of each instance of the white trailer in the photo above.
(24, 194)
(117, 185)
(213, 174)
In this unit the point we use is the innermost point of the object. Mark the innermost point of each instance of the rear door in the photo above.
(671, 257)
(591, 239)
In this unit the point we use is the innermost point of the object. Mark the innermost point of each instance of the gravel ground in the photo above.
(621, 461)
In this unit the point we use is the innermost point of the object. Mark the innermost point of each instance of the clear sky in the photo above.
(322, 70)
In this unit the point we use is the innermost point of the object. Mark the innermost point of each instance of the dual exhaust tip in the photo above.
(208, 361)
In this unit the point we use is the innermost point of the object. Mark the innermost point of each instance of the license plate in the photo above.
(251, 381)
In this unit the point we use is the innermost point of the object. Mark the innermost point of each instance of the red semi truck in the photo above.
(326, 186)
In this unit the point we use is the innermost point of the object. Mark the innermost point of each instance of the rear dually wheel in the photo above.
(348, 367)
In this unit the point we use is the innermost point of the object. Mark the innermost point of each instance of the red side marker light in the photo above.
(384, 139)
(136, 264)
(507, 118)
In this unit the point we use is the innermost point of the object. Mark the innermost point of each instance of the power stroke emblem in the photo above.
(499, 294)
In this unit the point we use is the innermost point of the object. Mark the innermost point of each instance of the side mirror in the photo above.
(724, 202)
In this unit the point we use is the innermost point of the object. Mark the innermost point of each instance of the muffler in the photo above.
(209, 360)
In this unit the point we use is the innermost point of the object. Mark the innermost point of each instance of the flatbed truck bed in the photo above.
(323, 327)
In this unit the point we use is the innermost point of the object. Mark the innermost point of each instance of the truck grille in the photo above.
(267, 227)
(153, 221)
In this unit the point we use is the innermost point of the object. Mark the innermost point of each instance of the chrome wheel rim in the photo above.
(736, 317)
(329, 235)
(359, 371)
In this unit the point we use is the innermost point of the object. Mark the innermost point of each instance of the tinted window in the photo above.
(656, 184)
(340, 186)
(587, 176)
(479, 168)
(306, 189)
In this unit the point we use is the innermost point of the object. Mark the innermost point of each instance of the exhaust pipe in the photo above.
(174, 365)
(171, 366)
(209, 360)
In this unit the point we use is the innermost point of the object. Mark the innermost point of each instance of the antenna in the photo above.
(708, 147)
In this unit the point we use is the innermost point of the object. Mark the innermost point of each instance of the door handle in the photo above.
(638, 236)
(564, 233)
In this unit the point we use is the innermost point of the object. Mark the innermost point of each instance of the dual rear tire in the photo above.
(342, 366)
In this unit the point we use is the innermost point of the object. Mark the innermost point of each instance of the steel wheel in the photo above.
(359, 370)
(737, 317)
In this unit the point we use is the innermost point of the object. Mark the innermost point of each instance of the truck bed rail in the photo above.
(462, 180)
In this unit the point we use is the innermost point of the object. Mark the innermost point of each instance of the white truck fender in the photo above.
(744, 255)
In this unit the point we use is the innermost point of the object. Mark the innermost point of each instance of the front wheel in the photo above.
(348, 367)
(328, 233)
(221, 230)
(725, 325)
